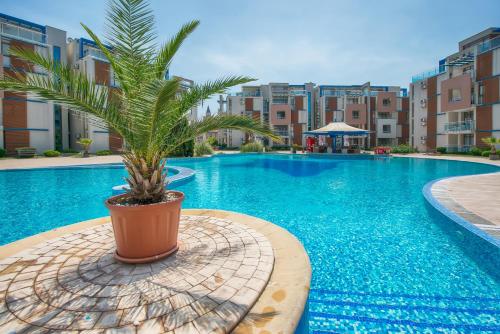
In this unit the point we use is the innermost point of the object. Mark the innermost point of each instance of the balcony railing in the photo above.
(427, 74)
(391, 115)
(17, 32)
(466, 126)
(488, 45)
(98, 54)
(458, 149)
(245, 94)
(298, 92)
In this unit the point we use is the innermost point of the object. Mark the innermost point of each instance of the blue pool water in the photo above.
(383, 259)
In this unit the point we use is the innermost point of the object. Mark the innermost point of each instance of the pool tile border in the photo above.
(438, 203)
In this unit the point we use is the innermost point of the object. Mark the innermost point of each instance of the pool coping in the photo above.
(182, 176)
(280, 306)
(454, 216)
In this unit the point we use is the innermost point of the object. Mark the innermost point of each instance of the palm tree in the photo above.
(492, 142)
(85, 144)
(148, 111)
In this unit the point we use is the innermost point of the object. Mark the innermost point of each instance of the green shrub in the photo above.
(104, 152)
(486, 153)
(52, 153)
(203, 148)
(212, 141)
(402, 149)
(297, 147)
(441, 150)
(476, 151)
(280, 148)
(252, 147)
(184, 150)
(70, 151)
(2, 153)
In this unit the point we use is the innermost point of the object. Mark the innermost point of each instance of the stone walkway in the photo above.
(475, 198)
(74, 284)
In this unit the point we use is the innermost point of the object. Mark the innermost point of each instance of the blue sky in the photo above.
(326, 42)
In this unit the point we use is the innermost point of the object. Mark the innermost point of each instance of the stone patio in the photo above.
(73, 283)
(476, 198)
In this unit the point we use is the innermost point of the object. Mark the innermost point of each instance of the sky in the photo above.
(320, 41)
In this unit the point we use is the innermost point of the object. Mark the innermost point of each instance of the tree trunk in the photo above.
(146, 178)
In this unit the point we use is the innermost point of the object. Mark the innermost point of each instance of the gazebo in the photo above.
(337, 129)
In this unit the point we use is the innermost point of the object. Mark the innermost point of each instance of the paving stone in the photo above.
(73, 283)
(150, 326)
(109, 319)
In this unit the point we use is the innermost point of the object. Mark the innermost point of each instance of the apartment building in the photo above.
(249, 102)
(26, 120)
(381, 109)
(457, 104)
(85, 56)
(292, 109)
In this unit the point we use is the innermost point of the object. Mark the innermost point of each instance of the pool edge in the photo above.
(453, 216)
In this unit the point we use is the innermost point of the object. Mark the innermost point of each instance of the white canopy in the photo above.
(338, 129)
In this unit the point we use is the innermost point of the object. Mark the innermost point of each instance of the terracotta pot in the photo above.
(145, 233)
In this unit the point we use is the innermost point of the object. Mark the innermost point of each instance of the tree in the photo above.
(85, 144)
(148, 110)
(492, 142)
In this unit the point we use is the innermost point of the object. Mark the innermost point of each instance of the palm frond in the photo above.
(167, 52)
(217, 122)
(130, 31)
(64, 86)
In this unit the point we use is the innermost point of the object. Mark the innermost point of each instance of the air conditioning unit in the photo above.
(423, 103)
(423, 138)
(423, 84)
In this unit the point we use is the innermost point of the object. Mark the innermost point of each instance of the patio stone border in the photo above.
(277, 309)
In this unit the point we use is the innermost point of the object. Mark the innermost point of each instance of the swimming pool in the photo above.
(383, 260)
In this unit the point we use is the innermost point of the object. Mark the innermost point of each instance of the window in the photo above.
(58, 127)
(454, 95)
(5, 54)
(386, 102)
(280, 99)
(355, 114)
(386, 128)
(480, 93)
(56, 53)
(280, 115)
(281, 130)
(113, 80)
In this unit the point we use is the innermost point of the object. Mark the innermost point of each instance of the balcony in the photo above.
(459, 127)
(392, 115)
(96, 54)
(282, 133)
(23, 34)
(246, 94)
(488, 45)
(427, 74)
(298, 92)
(458, 149)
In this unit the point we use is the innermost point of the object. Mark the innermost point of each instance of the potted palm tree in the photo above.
(148, 111)
(492, 142)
